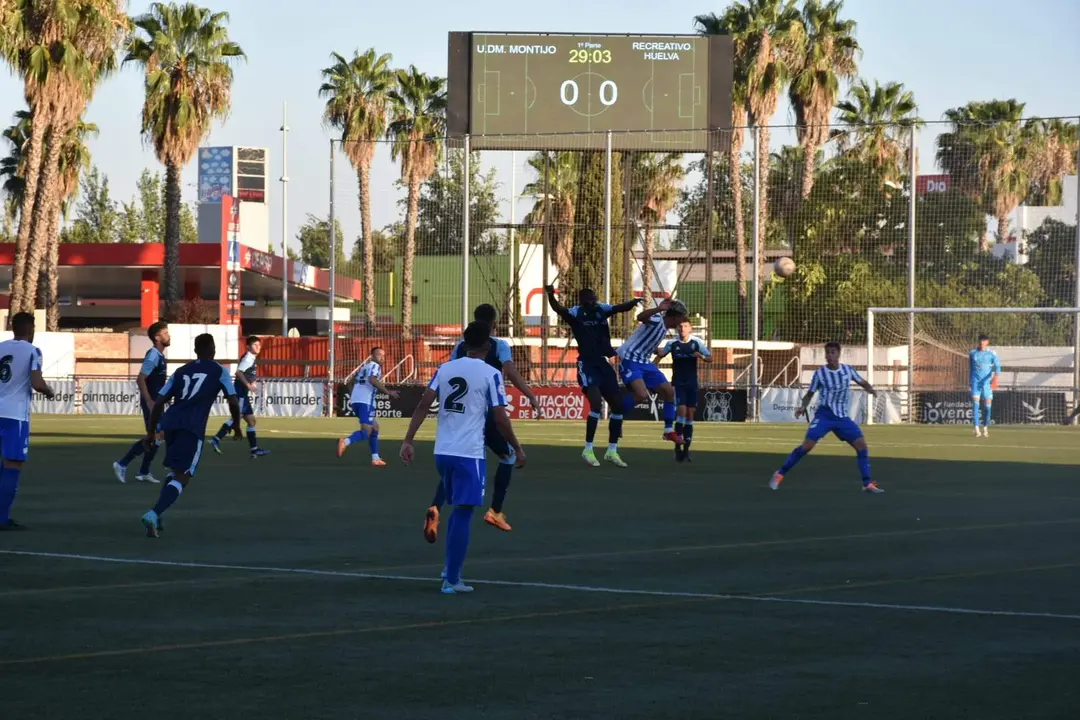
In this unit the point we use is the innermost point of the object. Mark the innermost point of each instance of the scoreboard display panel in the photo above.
(654, 92)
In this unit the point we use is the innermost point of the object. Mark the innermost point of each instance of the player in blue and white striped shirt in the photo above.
(833, 382)
(639, 372)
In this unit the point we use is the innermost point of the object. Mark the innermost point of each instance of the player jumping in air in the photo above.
(471, 398)
(589, 322)
(193, 389)
(985, 369)
(639, 372)
(365, 383)
(20, 375)
(499, 357)
(833, 381)
(246, 373)
(151, 379)
(685, 352)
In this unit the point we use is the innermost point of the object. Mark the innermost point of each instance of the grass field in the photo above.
(299, 586)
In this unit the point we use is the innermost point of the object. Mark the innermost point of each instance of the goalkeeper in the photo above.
(985, 369)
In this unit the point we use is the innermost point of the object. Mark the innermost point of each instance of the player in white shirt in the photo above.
(468, 390)
(20, 375)
(366, 382)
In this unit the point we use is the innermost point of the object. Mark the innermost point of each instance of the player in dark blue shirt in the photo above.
(247, 373)
(685, 352)
(588, 320)
(152, 376)
(193, 389)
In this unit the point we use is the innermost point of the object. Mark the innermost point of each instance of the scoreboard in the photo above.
(549, 91)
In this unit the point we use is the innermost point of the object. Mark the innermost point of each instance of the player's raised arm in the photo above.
(644, 315)
(626, 306)
(511, 372)
(553, 302)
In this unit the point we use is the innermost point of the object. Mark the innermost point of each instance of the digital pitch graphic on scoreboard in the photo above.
(654, 92)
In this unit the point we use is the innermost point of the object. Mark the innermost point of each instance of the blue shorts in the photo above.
(245, 406)
(648, 372)
(363, 413)
(845, 429)
(494, 440)
(183, 449)
(464, 479)
(686, 394)
(146, 417)
(14, 439)
(599, 375)
(982, 390)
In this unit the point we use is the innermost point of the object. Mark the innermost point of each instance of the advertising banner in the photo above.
(62, 404)
(110, 397)
(1010, 406)
(778, 405)
(283, 398)
(715, 404)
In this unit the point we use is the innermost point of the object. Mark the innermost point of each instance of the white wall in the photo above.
(57, 352)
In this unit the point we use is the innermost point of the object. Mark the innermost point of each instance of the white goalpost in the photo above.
(919, 356)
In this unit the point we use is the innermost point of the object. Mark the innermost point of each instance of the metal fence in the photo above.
(946, 215)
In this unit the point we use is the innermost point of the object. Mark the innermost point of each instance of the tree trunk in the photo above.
(35, 151)
(52, 295)
(735, 168)
(1002, 231)
(809, 160)
(46, 213)
(171, 289)
(647, 267)
(410, 257)
(363, 176)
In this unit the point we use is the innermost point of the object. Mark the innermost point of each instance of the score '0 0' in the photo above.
(569, 92)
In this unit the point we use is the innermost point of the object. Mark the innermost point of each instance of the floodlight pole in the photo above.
(284, 220)
(912, 170)
(512, 305)
(333, 273)
(465, 314)
(756, 285)
(607, 223)
(1076, 298)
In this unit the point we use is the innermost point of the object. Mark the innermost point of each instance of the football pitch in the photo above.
(299, 585)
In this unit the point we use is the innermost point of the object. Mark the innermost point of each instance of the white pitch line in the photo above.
(941, 609)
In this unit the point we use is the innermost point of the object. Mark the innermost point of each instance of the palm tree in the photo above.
(1054, 150)
(877, 121)
(989, 153)
(187, 56)
(417, 126)
(734, 22)
(554, 190)
(13, 166)
(357, 92)
(62, 50)
(657, 177)
(775, 40)
(831, 56)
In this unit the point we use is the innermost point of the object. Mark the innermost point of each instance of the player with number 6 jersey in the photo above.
(20, 375)
(833, 382)
(470, 392)
(193, 390)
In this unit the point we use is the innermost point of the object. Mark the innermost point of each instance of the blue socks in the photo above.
(457, 542)
(975, 408)
(133, 452)
(614, 430)
(147, 460)
(502, 482)
(358, 436)
(669, 415)
(169, 493)
(224, 429)
(793, 459)
(373, 443)
(251, 438)
(986, 414)
(440, 495)
(628, 402)
(590, 427)
(863, 456)
(9, 487)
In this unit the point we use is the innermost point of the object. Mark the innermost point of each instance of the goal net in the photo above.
(923, 356)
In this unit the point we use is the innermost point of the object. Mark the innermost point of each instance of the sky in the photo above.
(948, 52)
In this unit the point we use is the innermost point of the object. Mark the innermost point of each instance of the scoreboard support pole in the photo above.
(465, 315)
(607, 221)
(755, 308)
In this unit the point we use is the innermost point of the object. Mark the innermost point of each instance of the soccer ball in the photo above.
(784, 267)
